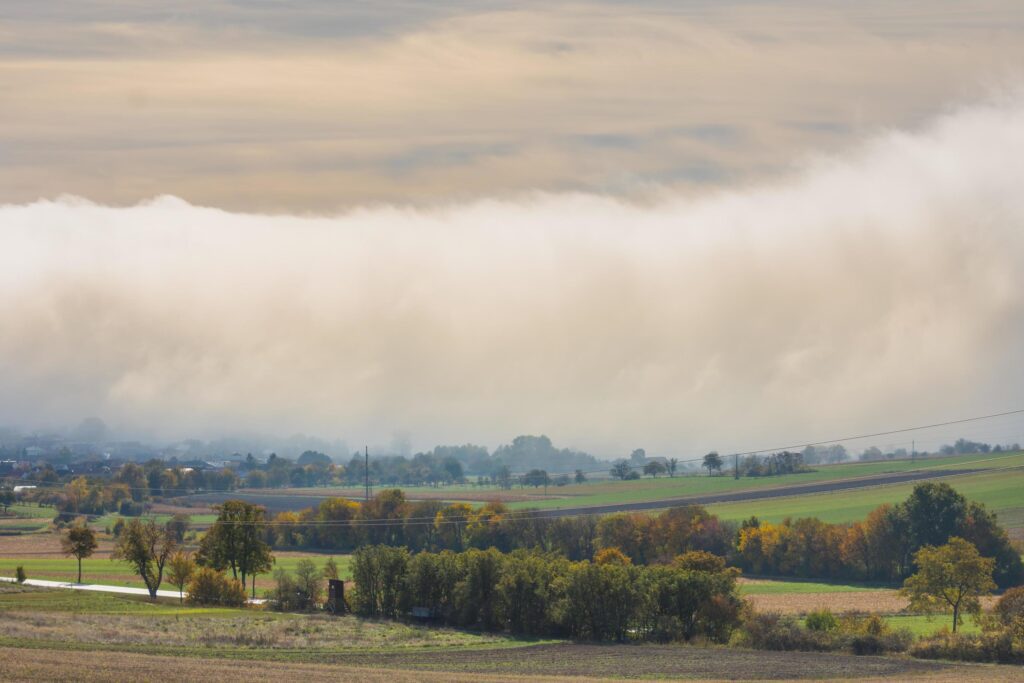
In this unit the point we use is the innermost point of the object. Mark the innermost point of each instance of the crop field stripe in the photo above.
(795, 490)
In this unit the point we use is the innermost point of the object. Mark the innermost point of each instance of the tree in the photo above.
(313, 458)
(7, 497)
(211, 587)
(180, 569)
(379, 573)
(146, 546)
(536, 478)
(235, 541)
(580, 476)
(135, 477)
(654, 468)
(79, 541)
(712, 461)
(952, 578)
(330, 570)
(621, 469)
(935, 512)
(308, 584)
(178, 525)
(673, 465)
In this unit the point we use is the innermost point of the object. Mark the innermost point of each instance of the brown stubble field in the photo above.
(562, 662)
(875, 601)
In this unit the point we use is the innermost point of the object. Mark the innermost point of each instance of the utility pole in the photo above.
(367, 472)
(736, 465)
(913, 450)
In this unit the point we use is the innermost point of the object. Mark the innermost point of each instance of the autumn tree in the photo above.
(146, 546)
(180, 569)
(450, 525)
(235, 541)
(950, 578)
(79, 540)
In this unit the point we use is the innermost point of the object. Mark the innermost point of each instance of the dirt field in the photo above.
(48, 665)
(878, 601)
(566, 662)
(44, 545)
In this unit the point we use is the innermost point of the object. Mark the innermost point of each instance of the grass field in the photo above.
(999, 490)
(109, 520)
(922, 625)
(610, 492)
(26, 511)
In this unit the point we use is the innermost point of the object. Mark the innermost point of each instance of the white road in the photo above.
(123, 590)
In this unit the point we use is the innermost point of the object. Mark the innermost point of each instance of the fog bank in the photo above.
(868, 290)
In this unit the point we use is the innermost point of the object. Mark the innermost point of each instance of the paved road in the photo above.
(123, 590)
(101, 588)
(278, 502)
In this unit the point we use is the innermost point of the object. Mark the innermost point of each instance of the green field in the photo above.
(610, 492)
(1000, 491)
(26, 511)
(922, 625)
(110, 519)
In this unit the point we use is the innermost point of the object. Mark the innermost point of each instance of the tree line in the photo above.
(880, 547)
(544, 594)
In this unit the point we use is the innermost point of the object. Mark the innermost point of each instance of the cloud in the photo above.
(324, 106)
(867, 290)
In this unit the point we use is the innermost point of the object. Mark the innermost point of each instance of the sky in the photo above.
(681, 226)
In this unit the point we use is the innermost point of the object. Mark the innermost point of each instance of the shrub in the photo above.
(870, 636)
(822, 620)
(301, 591)
(984, 647)
(211, 587)
(19, 574)
(769, 631)
(1010, 607)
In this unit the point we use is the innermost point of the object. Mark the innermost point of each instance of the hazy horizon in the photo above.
(682, 227)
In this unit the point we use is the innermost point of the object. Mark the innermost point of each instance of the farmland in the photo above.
(998, 490)
(42, 558)
(607, 492)
(41, 628)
